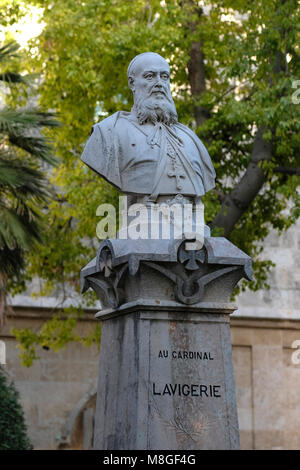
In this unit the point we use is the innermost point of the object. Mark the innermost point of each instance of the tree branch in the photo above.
(219, 194)
(240, 198)
(233, 205)
(246, 190)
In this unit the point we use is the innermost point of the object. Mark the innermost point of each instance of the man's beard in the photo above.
(155, 110)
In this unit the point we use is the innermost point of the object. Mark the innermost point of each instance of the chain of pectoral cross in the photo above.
(176, 171)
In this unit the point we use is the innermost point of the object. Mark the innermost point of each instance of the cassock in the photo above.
(149, 160)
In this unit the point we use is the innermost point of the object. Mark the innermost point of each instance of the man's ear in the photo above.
(131, 83)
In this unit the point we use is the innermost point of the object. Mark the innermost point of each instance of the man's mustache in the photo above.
(148, 108)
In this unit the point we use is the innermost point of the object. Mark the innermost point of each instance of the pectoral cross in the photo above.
(176, 173)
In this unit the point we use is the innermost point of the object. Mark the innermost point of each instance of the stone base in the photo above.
(166, 378)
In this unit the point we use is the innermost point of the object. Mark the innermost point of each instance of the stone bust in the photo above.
(147, 152)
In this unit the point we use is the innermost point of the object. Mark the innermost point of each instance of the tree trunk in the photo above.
(246, 190)
(238, 201)
(196, 67)
(197, 80)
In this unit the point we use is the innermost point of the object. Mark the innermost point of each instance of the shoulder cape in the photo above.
(100, 152)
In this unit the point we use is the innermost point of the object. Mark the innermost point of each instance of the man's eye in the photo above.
(149, 76)
(165, 76)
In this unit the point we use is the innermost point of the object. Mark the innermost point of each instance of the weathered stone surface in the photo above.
(160, 299)
(127, 270)
(166, 381)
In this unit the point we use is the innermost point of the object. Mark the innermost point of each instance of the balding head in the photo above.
(144, 58)
(149, 79)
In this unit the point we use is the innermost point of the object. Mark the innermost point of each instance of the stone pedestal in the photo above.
(166, 374)
(166, 379)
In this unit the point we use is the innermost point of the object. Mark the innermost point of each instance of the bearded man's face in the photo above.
(151, 87)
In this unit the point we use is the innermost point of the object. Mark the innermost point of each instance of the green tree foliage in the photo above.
(13, 431)
(23, 186)
(233, 66)
(11, 11)
(55, 334)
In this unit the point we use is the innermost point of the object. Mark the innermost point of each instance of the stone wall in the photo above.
(264, 328)
(267, 383)
(56, 387)
(282, 300)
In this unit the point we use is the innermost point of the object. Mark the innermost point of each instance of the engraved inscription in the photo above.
(200, 355)
(185, 390)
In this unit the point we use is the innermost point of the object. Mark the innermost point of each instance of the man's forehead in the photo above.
(151, 63)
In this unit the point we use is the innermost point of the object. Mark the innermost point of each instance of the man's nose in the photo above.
(158, 87)
(159, 82)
